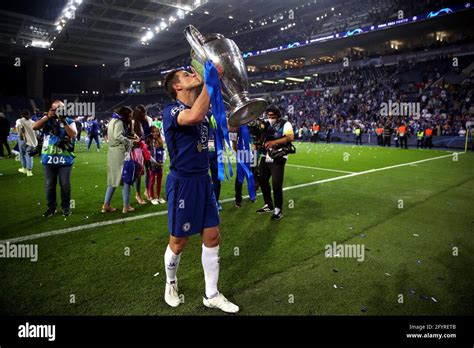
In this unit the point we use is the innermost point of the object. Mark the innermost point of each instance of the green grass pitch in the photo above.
(267, 267)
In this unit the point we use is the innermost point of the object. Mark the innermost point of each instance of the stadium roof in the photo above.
(106, 31)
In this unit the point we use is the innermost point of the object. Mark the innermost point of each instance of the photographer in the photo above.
(278, 138)
(57, 157)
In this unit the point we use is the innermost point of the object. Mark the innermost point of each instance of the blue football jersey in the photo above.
(187, 145)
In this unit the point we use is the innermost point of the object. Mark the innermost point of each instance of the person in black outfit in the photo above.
(387, 134)
(328, 134)
(4, 132)
(78, 127)
(279, 132)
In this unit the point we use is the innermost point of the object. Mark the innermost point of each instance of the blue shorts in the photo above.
(192, 205)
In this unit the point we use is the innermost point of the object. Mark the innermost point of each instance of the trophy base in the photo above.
(247, 112)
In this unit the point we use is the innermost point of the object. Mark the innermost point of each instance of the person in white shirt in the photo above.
(26, 140)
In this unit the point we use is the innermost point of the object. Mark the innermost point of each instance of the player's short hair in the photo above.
(170, 80)
(274, 109)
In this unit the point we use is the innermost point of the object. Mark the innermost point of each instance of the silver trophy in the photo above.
(226, 56)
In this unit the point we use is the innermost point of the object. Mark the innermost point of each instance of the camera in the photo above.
(34, 150)
(66, 144)
(257, 130)
(56, 116)
(280, 151)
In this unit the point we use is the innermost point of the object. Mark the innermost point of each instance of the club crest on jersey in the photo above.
(176, 109)
(186, 227)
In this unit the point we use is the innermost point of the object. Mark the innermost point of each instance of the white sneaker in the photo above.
(171, 294)
(220, 302)
(161, 200)
(29, 173)
(22, 170)
(155, 201)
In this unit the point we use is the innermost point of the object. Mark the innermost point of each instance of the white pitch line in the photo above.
(366, 172)
(317, 168)
(94, 225)
(138, 217)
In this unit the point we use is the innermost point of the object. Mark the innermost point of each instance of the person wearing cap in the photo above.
(279, 132)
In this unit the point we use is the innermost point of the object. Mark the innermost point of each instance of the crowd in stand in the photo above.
(355, 96)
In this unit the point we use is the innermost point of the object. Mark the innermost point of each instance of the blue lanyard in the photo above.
(211, 79)
(243, 168)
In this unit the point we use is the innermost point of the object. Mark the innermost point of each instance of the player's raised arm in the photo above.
(200, 106)
(195, 115)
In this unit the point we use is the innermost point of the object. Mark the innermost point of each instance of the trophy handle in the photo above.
(196, 40)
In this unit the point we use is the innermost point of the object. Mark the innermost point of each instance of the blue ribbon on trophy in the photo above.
(243, 167)
(231, 88)
(211, 79)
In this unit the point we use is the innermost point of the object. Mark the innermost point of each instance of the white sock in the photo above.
(171, 264)
(210, 264)
(277, 210)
